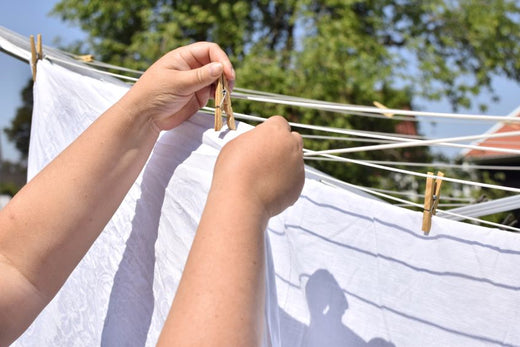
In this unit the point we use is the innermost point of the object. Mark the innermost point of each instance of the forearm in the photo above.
(220, 299)
(51, 223)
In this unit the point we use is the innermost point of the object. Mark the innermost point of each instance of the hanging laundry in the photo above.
(342, 269)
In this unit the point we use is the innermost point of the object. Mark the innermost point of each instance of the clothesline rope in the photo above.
(369, 109)
(244, 93)
(364, 140)
(259, 96)
(331, 180)
(210, 111)
(433, 164)
(82, 66)
(409, 193)
(444, 142)
(406, 172)
(401, 140)
(345, 138)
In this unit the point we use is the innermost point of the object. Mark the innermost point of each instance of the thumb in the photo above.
(196, 79)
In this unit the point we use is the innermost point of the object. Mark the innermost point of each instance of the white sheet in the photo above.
(343, 269)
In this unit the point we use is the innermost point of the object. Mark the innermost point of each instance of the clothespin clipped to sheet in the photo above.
(223, 102)
(87, 58)
(380, 105)
(431, 200)
(36, 53)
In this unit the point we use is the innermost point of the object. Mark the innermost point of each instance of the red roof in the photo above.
(511, 142)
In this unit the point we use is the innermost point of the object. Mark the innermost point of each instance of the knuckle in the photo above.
(200, 76)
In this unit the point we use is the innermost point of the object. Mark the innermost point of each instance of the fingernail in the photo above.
(216, 69)
(233, 74)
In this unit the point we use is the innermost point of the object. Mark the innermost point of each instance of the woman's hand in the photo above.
(178, 84)
(222, 290)
(264, 165)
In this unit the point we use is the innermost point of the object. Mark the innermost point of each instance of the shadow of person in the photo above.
(379, 342)
(327, 305)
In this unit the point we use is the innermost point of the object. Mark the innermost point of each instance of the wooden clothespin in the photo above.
(87, 58)
(223, 102)
(380, 105)
(431, 200)
(36, 53)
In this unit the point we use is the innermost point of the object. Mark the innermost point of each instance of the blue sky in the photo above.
(31, 17)
(26, 18)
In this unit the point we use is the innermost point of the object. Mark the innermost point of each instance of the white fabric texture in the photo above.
(343, 270)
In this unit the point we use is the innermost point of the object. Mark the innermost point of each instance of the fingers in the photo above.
(281, 123)
(198, 65)
(278, 121)
(268, 160)
(299, 140)
(181, 82)
(196, 79)
(203, 53)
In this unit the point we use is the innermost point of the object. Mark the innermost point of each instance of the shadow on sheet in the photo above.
(363, 274)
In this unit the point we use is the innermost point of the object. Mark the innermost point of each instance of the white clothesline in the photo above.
(434, 164)
(402, 141)
(468, 201)
(369, 109)
(345, 138)
(364, 140)
(444, 142)
(248, 94)
(439, 205)
(440, 142)
(66, 62)
(508, 203)
(335, 182)
(364, 163)
(412, 173)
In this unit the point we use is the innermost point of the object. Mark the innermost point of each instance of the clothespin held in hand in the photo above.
(36, 53)
(431, 200)
(223, 102)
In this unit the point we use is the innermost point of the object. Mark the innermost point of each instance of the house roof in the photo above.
(511, 142)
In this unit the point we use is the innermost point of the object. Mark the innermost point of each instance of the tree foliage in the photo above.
(19, 130)
(347, 51)
(12, 177)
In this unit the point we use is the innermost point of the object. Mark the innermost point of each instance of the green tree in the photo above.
(134, 33)
(8, 188)
(19, 130)
(343, 47)
(344, 51)
(12, 177)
